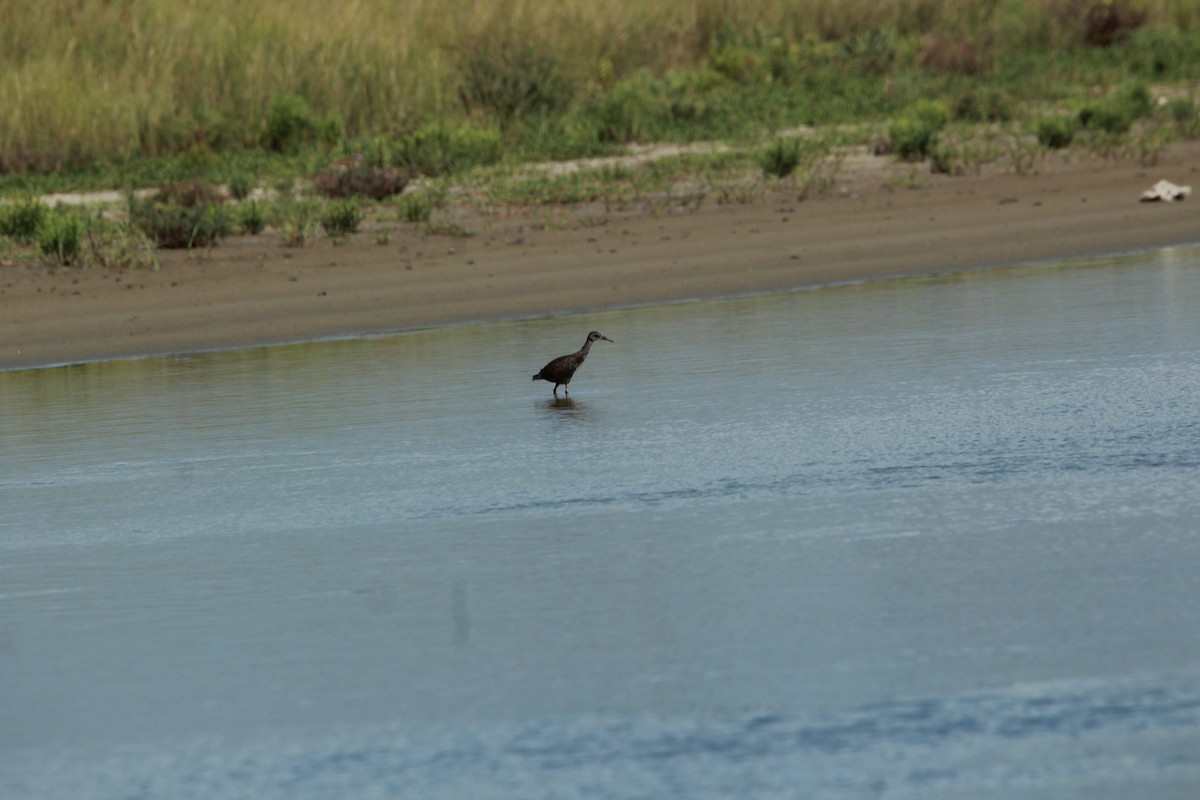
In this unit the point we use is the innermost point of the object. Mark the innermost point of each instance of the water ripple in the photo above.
(1066, 733)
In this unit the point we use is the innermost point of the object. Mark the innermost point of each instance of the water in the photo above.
(925, 538)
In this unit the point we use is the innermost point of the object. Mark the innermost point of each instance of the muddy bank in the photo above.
(875, 223)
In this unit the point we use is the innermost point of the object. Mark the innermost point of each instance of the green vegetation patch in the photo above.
(255, 90)
(60, 236)
(21, 219)
(341, 217)
(182, 215)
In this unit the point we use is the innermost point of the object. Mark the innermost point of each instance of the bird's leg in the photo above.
(556, 390)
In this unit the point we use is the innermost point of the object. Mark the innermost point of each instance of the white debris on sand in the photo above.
(1166, 192)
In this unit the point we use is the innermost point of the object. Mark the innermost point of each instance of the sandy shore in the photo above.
(253, 290)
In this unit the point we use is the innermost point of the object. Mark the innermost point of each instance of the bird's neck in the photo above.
(583, 351)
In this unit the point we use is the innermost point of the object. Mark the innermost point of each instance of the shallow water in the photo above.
(931, 538)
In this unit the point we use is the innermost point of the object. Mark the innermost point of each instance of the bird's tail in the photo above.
(535, 377)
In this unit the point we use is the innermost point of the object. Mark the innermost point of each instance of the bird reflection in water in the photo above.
(567, 408)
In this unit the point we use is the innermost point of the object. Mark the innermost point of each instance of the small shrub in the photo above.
(182, 215)
(20, 219)
(511, 81)
(1024, 155)
(915, 133)
(1186, 117)
(945, 159)
(1055, 133)
(1106, 117)
(60, 236)
(932, 113)
(820, 172)
(1114, 115)
(781, 158)
(117, 244)
(297, 221)
(341, 217)
(241, 186)
(439, 149)
(331, 129)
(290, 123)
(251, 217)
(415, 207)
(1135, 99)
(984, 104)
(626, 113)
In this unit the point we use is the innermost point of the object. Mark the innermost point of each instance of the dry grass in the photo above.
(97, 80)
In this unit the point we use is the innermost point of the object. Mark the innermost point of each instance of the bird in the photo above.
(560, 370)
(344, 165)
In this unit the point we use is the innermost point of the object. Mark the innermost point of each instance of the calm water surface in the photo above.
(925, 538)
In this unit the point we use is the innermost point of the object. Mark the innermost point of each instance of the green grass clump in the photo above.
(1115, 115)
(250, 217)
(628, 112)
(297, 220)
(915, 133)
(21, 219)
(182, 216)
(79, 237)
(441, 149)
(415, 207)
(985, 104)
(60, 236)
(115, 244)
(241, 186)
(781, 158)
(1185, 115)
(1055, 133)
(341, 217)
(1105, 117)
(290, 123)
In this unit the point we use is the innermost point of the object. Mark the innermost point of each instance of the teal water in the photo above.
(924, 538)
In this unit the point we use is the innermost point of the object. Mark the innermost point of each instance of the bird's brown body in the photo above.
(344, 165)
(562, 369)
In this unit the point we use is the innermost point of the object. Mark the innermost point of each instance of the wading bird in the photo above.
(560, 370)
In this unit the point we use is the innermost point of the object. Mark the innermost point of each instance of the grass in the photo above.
(182, 215)
(21, 219)
(297, 220)
(71, 236)
(187, 90)
(341, 218)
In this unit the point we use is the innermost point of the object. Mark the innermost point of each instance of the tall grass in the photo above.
(87, 82)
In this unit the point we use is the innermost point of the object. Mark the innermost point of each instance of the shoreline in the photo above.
(876, 222)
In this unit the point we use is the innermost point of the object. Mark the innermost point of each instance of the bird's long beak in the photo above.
(605, 338)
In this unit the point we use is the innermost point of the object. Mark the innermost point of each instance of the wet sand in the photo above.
(875, 223)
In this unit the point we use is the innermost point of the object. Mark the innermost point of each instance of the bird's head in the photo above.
(594, 335)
